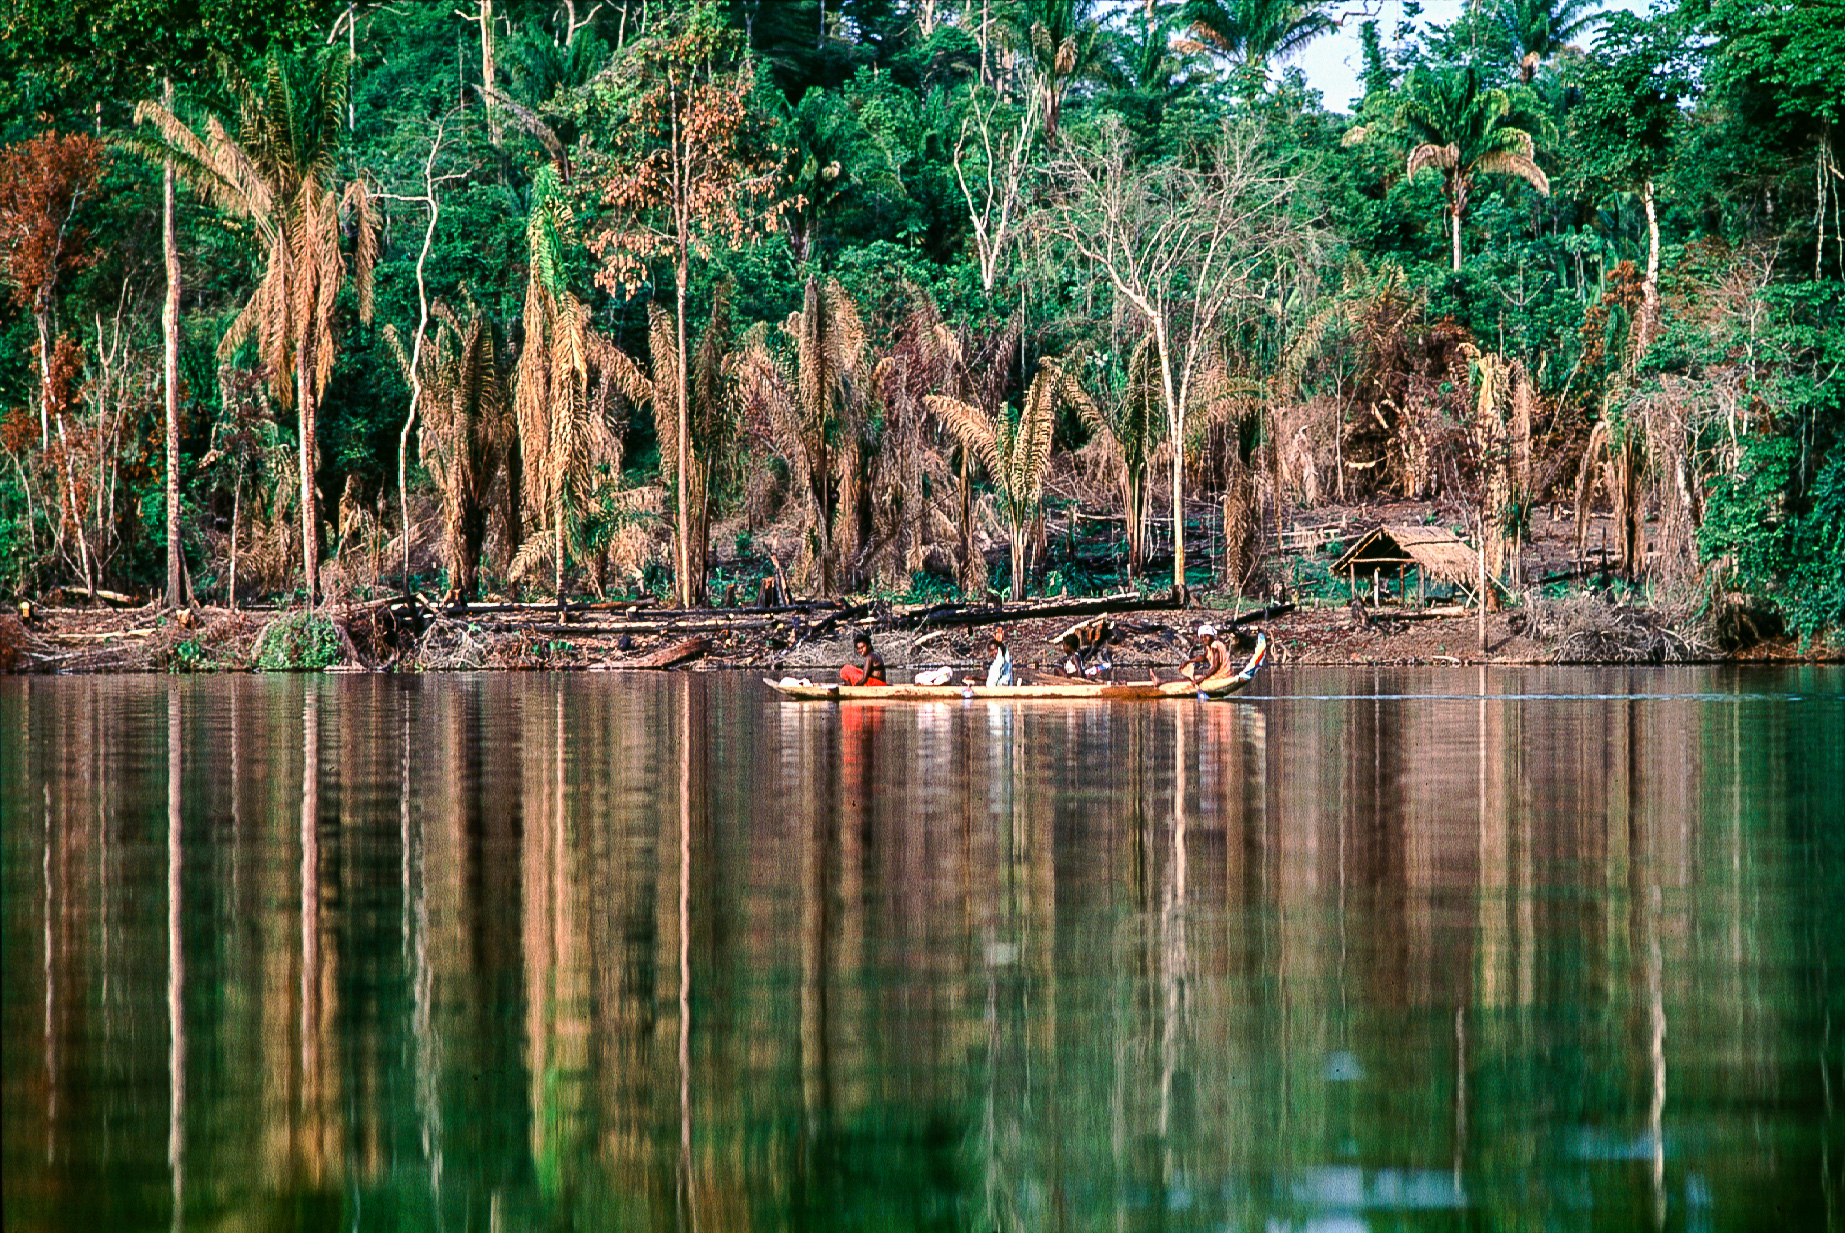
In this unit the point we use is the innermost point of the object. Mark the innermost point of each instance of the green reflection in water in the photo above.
(1391, 949)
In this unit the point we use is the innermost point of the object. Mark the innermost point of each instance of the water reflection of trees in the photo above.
(670, 955)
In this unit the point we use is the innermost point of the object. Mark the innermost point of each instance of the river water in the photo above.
(1379, 949)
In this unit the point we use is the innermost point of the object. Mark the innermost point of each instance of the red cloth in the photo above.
(852, 674)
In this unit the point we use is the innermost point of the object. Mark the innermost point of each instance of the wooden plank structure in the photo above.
(1432, 552)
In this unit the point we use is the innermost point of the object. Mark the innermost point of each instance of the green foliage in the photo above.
(299, 642)
(1728, 111)
(1781, 543)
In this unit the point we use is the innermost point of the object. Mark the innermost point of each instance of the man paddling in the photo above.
(1213, 659)
(871, 672)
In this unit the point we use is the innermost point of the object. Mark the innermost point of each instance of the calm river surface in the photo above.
(1381, 949)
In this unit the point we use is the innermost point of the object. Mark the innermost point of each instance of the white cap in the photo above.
(1208, 630)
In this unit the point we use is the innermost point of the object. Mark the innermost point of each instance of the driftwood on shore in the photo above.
(668, 656)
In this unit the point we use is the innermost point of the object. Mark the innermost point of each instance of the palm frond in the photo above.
(972, 427)
(1520, 165)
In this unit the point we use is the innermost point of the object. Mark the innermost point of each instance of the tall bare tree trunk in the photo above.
(1649, 286)
(43, 321)
(690, 590)
(236, 522)
(1178, 513)
(487, 70)
(1454, 222)
(169, 325)
(310, 520)
(557, 528)
(1481, 597)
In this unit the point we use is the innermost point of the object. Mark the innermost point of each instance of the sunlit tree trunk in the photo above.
(169, 324)
(690, 589)
(310, 539)
(1649, 287)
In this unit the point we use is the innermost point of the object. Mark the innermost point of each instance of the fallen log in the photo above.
(1028, 610)
(666, 656)
(1260, 614)
(99, 637)
(611, 629)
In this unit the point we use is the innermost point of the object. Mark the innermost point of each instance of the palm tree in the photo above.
(1466, 131)
(562, 388)
(1539, 29)
(910, 485)
(709, 419)
(1127, 428)
(1255, 32)
(277, 173)
(1064, 43)
(1014, 447)
(811, 416)
(467, 433)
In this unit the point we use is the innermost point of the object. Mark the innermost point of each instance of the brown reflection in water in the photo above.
(680, 955)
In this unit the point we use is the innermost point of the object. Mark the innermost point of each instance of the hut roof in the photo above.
(1434, 550)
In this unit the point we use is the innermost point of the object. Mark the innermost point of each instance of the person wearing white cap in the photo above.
(1213, 658)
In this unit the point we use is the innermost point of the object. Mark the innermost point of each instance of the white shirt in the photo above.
(1000, 671)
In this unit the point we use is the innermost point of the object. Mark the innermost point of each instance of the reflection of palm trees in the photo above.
(1175, 959)
(415, 929)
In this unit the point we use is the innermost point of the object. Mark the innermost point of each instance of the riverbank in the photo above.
(1581, 629)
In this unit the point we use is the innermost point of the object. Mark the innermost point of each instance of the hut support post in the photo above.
(1377, 588)
(1422, 587)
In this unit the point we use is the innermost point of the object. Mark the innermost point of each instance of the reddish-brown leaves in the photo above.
(43, 181)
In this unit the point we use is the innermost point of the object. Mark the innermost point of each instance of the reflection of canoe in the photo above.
(1075, 690)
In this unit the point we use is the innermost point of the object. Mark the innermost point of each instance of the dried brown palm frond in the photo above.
(1013, 448)
(907, 478)
(564, 386)
(1613, 460)
(1126, 427)
(277, 173)
(710, 414)
(467, 433)
(808, 409)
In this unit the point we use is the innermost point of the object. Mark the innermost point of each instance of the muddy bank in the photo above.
(374, 638)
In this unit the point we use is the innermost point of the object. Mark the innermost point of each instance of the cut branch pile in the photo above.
(1585, 628)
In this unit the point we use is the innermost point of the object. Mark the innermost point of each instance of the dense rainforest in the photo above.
(888, 296)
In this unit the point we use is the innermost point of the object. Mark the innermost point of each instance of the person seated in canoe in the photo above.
(1086, 655)
(999, 671)
(1212, 661)
(871, 672)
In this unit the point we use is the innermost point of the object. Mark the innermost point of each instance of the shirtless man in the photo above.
(871, 672)
(1214, 658)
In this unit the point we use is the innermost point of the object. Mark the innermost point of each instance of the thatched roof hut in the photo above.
(1433, 552)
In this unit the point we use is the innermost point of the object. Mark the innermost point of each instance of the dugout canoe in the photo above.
(1107, 691)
